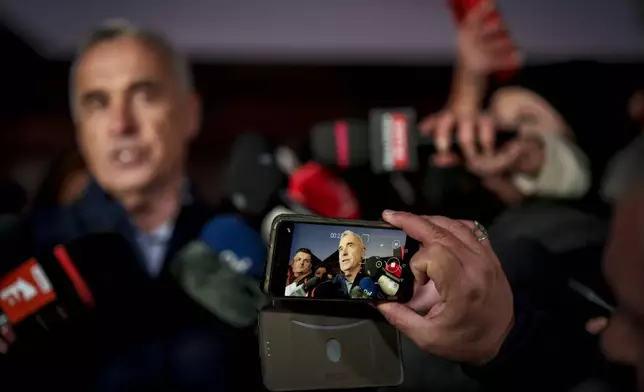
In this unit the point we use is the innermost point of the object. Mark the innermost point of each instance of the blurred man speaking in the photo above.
(135, 111)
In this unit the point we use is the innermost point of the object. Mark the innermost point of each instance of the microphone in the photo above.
(43, 294)
(320, 191)
(374, 266)
(237, 244)
(390, 141)
(369, 288)
(221, 271)
(267, 222)
(252, 176)
(356, 293)
(312, 284)
(341, 143)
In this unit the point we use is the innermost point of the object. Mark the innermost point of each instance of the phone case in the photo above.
(308, 219)
(302, 351)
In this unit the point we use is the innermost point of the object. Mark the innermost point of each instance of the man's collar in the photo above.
(94, 192)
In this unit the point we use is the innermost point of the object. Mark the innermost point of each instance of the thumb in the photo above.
(597, 325)
(413, 325)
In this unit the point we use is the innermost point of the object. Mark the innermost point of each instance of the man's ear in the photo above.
(195, 113)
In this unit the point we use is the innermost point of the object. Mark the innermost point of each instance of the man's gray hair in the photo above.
(118, 28)
(349, 232)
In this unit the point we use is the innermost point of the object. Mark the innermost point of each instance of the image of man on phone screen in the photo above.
(351, 254)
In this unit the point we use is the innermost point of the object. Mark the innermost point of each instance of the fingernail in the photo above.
(388, 212)
(442, 144)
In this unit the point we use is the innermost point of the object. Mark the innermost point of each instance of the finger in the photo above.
(443, 133)
(479, 14)
(446, 160)
(505, 61)
(461, 229)
(4, 347)
(499, 46)
(597, 325)
(416, 227)
(486, 134)
(425, 297)
(420, 276)
(428, 125)
(492, 31)
(503, 161)
(467, 137)
(407, 321)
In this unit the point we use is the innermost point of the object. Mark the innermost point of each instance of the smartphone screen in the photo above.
(331, 261)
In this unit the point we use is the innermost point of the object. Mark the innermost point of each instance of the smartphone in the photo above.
(460, 10)
(316, 259)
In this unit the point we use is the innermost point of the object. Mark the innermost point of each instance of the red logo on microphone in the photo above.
(396, 145)
(24, 291)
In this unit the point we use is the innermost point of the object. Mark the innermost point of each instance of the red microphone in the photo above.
(393, 267)
(319, 190)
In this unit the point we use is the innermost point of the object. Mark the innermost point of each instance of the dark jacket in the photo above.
(336, 287)
(181, 345)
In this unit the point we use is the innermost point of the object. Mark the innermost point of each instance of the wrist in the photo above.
(468, 88)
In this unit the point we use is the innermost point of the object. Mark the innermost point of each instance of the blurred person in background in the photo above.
(136, 110)
(300, 270)
(64, 183)
(562, 117)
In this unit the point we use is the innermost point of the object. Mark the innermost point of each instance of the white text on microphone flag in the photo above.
(234, 262)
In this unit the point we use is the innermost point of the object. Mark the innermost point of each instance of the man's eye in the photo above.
(95, 104)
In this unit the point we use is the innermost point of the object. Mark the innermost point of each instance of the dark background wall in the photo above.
(283, 101)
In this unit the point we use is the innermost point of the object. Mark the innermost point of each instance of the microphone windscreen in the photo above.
(343, 143)
(373, 266)
(368, 287)
(267, 223)
(311, 283)
(251, 177)
(232, 297)
(322, 192)
(356, 293)
(237, 244)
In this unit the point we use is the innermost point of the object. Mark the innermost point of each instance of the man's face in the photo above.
(134, 117)
(301, 263)
(351, 252)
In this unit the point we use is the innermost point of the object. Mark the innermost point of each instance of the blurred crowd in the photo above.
(562, 199)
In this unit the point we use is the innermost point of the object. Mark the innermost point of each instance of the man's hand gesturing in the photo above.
(472, 312)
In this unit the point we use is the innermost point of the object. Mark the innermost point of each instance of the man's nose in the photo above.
(122, 120)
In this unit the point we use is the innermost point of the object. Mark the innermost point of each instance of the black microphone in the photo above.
(389, 142)
(312, 284)
(374, 266)
(252, 177)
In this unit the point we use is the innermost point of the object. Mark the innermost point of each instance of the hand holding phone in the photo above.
(474, 313)
(314, 258)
